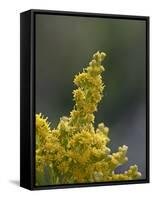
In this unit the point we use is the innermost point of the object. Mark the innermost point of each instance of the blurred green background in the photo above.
(65, 44)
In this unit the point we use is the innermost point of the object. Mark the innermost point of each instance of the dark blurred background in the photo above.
(65, 44)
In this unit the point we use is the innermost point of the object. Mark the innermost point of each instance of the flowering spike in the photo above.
(76, 152)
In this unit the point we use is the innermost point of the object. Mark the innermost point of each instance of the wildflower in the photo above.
(76, 152)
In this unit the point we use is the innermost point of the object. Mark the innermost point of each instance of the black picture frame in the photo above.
(27, 97)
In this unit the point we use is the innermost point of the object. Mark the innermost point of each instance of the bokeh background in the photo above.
(65, 44)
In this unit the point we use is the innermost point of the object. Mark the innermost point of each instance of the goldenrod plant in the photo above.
(76, 151)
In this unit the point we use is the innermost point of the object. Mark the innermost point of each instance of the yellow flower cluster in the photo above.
(76, 151)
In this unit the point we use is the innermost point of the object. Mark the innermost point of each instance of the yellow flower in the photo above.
(76, 151)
